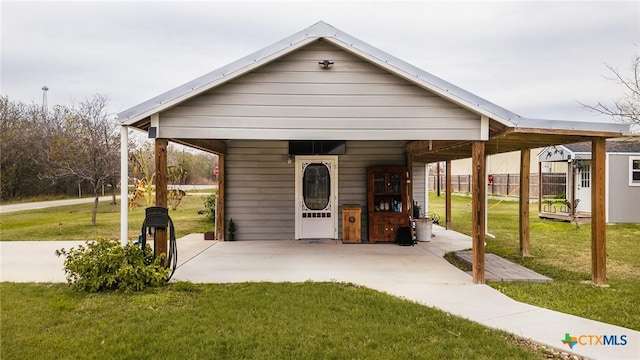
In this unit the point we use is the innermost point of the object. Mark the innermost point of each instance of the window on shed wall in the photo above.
(585, 176)
(634, 171)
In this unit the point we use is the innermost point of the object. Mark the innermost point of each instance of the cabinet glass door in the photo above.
(394, 183)
(379, 183)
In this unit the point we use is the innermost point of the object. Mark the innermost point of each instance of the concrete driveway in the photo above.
(417, 273)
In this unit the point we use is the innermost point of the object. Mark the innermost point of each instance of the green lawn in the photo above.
(43, 224)
(561, 251)
(238, 321)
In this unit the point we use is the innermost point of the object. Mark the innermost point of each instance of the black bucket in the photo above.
(157, 216)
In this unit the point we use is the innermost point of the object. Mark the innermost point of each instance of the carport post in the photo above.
(598, 221)
(219, 220)
(124, 185)
(447, 195)
(478, 211)
(525, 165)
(160, 239)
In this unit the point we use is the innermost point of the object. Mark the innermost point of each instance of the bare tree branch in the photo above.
(627, 108)
(86, 147)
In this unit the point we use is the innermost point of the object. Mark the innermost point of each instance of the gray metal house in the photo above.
(622, 174)
(324, 100)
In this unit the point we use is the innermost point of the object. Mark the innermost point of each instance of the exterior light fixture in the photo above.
(325, 64)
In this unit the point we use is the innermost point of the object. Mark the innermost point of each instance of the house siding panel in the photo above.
(623, 199)
(294, 98)
(418, 185)
(260, 188)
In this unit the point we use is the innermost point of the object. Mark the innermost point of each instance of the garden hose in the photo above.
(172, 252)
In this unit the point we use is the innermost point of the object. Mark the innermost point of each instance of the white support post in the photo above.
(426, 189)
(124, 185)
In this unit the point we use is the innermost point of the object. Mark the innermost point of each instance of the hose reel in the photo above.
(158, 217)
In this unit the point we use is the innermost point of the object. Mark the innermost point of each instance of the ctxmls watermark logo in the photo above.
(594, 340)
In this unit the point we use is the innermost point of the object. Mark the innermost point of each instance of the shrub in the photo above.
(105, 265)
(209, 208)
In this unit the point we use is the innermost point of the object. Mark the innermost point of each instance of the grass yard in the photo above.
(238, 321)
(561, 251)
(43, 224)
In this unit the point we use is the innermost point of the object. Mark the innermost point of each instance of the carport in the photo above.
(321, 84)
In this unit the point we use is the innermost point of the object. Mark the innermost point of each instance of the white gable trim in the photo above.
(556, 153)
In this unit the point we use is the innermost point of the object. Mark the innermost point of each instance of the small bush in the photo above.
(209, 208)
(105, 265)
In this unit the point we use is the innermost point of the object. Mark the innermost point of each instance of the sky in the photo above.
(539, 59)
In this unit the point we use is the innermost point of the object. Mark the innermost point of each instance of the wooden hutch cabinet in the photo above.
(386, 202)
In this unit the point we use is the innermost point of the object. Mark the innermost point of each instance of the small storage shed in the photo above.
(622, 174)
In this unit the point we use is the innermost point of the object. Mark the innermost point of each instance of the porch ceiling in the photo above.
(506, 140)
(209, 145)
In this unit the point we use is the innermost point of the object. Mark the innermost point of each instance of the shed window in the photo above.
(585, 176)
(634, 171)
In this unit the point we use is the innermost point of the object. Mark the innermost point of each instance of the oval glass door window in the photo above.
(316, 186)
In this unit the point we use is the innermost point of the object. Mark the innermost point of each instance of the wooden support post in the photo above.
(508, 181)
(160, 245)
(220, 223)
(447, 200)
(598, 221)
(438, 178)
(571, 191)
(478, 218)
(525, 165)
(410, 180)
(539, 187)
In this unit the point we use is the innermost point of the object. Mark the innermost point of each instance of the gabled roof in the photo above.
(297, 40)
(322, 30)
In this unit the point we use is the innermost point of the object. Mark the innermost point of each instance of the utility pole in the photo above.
(45, 88)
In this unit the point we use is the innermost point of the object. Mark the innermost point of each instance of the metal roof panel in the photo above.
(573, 125)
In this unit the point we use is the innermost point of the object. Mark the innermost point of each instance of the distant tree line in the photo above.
(185, 166)
(60, 150)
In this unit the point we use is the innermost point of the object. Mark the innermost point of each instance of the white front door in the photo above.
(583, 187)
(316, 197)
